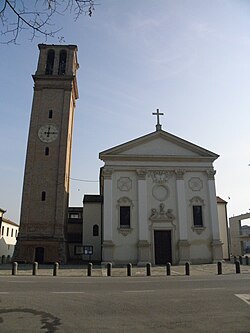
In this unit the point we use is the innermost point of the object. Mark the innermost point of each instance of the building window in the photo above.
(12, 232)
(46, 151)
(2, 230)
(62, 63)
(50, 62)
(125, 217)
(50, 114)
(43, 197)
(7, 233)
(16, 233)
(124, 206)
(197, 216)
(95, 230)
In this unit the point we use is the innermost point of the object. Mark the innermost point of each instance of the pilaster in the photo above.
(107, 206)
(184, 245)
(144, 250)
(142, 205)
(107, 251)
(216, 243)
(184, 251)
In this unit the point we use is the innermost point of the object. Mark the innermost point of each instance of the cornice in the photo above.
(65, 82)
(153, 158)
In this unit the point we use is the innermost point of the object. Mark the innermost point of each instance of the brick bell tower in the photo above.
(48, 160)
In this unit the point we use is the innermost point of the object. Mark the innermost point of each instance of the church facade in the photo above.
(159, 202)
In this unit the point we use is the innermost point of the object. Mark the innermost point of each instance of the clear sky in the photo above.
(190, 59)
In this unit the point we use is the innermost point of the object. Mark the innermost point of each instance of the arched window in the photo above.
(62, 63)
(50, 114)
(46, 151)
(50, 62)
(95, 230)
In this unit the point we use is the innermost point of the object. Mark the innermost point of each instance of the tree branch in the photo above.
(37, 18)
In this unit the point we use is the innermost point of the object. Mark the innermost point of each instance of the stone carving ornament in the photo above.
(211, 173)
(195, 184)
(160, 192)
(160, 176)
(124, 184)
(162, 214)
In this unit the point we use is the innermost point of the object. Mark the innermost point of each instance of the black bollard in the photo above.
(237, 267)
(187, 268)
(148, 269)
(109, 269)
(219, 267)
(247, 260)
(129, 269)
(55, 269)
(168, 268)
(90, 266)
(14, 268)
(35, 267)
(240, 259)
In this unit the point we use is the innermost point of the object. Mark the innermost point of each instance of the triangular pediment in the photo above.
(158, 145)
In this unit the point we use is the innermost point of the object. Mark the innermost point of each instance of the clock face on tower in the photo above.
(48, 133)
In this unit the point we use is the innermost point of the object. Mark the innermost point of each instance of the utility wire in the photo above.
(84, 180)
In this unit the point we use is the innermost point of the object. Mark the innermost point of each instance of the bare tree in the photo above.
(37, 16)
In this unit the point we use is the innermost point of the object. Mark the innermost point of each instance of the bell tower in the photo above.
(48, 160)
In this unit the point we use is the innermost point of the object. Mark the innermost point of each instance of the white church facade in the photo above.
(159, 202)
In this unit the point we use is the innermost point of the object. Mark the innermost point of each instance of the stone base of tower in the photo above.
(41, 251)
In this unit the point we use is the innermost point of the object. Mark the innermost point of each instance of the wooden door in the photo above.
(163, 247)
(39, 255)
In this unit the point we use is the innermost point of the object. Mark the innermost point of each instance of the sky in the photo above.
(190, 59)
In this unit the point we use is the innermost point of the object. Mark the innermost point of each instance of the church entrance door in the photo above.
(163, 247)
(39, 255)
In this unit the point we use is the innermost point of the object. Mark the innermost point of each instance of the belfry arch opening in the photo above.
(62, 62)
(50, 62)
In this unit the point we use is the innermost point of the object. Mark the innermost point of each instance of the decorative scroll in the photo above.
(125, 231)
(160, 176)
(125, 201)
(211, 173)
(141, 173)
(107, 173)
(179, 173)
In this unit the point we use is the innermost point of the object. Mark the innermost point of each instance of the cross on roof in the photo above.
(158, 114)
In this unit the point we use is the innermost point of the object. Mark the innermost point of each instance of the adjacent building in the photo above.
(223, 226)
(74, 234)
(8, 234)
(239, 235)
